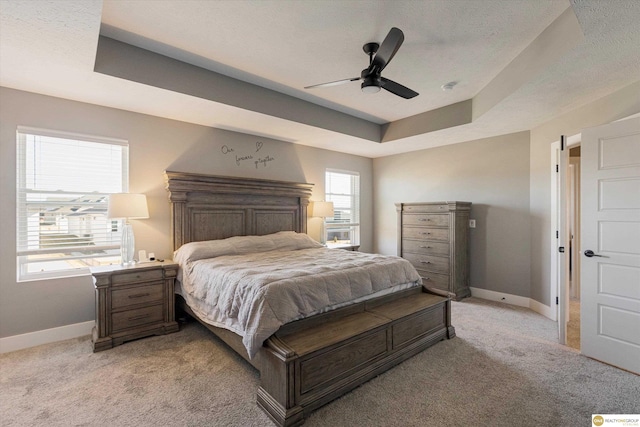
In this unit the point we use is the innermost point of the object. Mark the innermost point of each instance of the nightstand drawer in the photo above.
(425, 247)
(426, 233)
(434, 220)
(429, 263)
(138, 276)
(138, 295)
(131, 318)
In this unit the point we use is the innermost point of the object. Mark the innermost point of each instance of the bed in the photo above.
(310, 356)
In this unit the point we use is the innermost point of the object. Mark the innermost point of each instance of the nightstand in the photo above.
(345, 246)
(133, 302)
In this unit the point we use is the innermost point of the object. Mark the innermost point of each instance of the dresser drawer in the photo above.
(121, 298)
(430, 220)
(138, 276)
(423, 233)
(141, 316)
(425, 247)
(435, 207)
(428, 263)
(434, 280)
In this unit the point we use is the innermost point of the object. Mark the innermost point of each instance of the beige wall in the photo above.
(508, 178)
(155, 145)
(491, 173)
(620, 104)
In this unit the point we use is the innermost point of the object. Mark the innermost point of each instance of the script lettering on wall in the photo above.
(254, 157)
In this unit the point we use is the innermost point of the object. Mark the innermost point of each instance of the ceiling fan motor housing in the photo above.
(371, 84)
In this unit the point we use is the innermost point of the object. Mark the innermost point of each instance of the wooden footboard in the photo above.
(308, 363)
(307, 367)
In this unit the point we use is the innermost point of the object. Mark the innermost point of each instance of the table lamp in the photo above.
(323, 210)
(127, 206)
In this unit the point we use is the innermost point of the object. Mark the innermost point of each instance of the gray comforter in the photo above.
(253, 294)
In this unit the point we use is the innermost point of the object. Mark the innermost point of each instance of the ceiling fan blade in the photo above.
(337, 82)
(387, 49)
(398, 89)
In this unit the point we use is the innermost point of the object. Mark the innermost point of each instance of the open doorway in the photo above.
(565, 248)
(573, 204)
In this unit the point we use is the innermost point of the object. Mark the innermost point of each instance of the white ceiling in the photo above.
(50, 47)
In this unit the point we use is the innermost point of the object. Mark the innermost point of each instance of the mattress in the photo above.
(253, 285)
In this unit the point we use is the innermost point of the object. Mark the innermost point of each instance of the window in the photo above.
(63, 184)
(343, 189)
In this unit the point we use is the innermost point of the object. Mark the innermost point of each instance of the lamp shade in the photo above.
(127, 205)
(323, 209)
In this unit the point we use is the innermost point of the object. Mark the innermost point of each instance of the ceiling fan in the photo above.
(379, 58)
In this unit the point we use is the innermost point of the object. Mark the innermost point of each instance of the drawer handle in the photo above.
(142, 316)
(425, 233)
(140, 295)
(424, 219)
(425, 262)
(425, 247)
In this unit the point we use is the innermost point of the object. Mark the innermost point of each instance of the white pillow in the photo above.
(239, 245)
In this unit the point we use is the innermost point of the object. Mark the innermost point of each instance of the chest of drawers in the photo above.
(434, 237)
(133, 302)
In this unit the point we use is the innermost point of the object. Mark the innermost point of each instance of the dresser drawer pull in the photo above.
(427, 233)
(140, 295)
(425, 262)
(425, 247)
(424, 219)
(142, 316)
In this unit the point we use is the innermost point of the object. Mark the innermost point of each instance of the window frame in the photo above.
(23, 251)
(353, 226)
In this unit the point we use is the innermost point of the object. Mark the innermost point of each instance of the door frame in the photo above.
(556, 283)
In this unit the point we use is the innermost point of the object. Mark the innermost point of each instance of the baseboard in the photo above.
(545, 310)
(32, 339)
(534, 305)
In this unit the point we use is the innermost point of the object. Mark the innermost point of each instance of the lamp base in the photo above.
(323, 233)
(127, 245)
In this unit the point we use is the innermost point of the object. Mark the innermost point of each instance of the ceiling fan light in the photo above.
(370, 89)
(371, 84)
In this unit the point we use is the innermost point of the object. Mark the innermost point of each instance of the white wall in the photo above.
(155, 145)
(491, 173)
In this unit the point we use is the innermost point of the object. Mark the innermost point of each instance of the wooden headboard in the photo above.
(207, 207)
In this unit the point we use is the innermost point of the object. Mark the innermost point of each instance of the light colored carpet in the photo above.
(504, 368)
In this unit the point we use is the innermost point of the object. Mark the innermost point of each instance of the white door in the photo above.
(610, 231)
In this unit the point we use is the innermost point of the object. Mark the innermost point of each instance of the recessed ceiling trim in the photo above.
(430, 121)
(556, 40)
(128, 62)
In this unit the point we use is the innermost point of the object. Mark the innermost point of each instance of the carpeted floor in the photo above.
(504, 368)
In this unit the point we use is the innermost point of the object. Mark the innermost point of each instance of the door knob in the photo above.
(589, 253)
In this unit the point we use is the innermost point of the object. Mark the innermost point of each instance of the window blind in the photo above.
(63, 183)
(343, 189)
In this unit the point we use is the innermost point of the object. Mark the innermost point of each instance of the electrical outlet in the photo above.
(472, 223)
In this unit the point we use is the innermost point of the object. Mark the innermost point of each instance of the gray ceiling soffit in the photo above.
(132, 63)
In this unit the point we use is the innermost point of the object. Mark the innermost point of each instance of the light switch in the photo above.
(472, 223)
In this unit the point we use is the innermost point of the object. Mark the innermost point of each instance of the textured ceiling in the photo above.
(50, 47)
